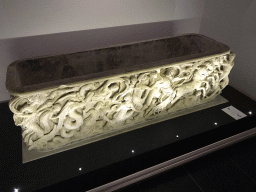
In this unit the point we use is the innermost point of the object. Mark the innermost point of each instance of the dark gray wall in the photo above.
(30, 18)
(233, 22)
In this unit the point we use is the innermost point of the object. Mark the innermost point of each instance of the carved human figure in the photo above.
(226, 68)
(119, 118)
(89, 118)
(86, 92)
(141, 91)
(129, 88)
(107, 90)
(213, 79)
(196, 84)
(183, 74)
(162, 91)
(46, 119)
(226, 64)
(31, 130)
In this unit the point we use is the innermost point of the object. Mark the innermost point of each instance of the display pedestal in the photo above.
(117, 161)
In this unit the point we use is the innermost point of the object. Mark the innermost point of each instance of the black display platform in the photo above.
(98, 163)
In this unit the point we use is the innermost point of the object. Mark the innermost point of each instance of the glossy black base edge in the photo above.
(143, 161)
(173, 163)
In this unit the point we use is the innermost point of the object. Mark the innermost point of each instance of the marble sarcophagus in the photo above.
(91, 95)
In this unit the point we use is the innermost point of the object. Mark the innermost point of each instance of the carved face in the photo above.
(18, 120)
(171, 72)
(158, 110)
(201, 73)
(174, 72)
(153, 74)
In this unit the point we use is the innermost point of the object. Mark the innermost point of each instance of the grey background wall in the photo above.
(21, 18)
(233, 22)
(46, 27)
(37, 28)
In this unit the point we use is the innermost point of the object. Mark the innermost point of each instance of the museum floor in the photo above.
(230, 169)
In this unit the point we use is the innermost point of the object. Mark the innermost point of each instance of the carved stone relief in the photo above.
(52, 119)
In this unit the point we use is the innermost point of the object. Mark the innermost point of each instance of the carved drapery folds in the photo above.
(51, 119)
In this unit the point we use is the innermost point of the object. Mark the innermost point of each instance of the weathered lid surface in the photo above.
(48, 71)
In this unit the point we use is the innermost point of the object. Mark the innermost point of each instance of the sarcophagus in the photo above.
(91, 95)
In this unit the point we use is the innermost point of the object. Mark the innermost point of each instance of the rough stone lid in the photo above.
(52, 71)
